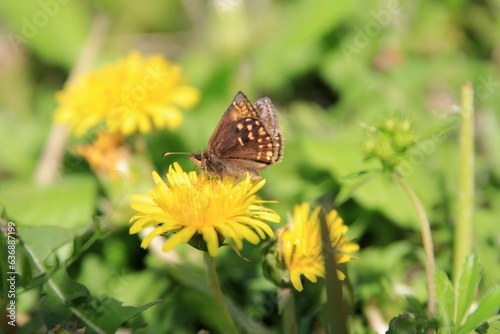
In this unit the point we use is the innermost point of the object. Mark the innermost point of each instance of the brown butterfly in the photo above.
(246, 140)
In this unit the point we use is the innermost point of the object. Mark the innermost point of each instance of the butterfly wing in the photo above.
(246, 139)
(253, 143)
(226, 134)
(267, 116)
(265, 111)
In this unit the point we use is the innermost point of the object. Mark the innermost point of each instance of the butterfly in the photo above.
(246, 140)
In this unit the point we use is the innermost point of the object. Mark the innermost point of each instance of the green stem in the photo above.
(425, 229)
(289, 324)
(215, 290)
(335, 310)
(463, 231)
(59, 291)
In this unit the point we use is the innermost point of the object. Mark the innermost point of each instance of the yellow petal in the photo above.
(210, 237)
(192, 203)
(296, 282)
(183, 236)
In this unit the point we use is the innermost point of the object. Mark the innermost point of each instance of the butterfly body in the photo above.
(246, 140)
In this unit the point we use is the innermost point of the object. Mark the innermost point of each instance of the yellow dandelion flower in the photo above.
(135, 94)
(300, 247)
(107, 155)
(190, 204)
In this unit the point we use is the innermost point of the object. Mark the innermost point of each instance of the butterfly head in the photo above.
(197, 158)
(211, 164)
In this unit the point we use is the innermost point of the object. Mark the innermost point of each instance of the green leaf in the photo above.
(419, 311)
(445, 301)
(7, 264)
(467, 287)
(59, 291)
(440, 131)
(402, 324)
(66, 300)
(483, 329)
(110, 314)
(47, 25)
(42, 241)
(27, 139)
(353, 182)
(488, 306)
(296, 43)
(68, 203)
(53, 312)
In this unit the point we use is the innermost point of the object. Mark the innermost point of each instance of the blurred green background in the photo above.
(329, 67)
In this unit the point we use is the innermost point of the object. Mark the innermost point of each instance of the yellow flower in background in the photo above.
(107, 155)
(190, 204)
(135, 94)
(300, 247)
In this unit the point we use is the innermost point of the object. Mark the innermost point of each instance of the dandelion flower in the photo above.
(107, 155)
(300, 247)
(191, 204)
(135, 94)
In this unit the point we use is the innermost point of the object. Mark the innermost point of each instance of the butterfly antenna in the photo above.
(169, 153)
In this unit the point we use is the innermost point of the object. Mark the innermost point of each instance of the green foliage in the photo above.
(455, 303)
(330, 68)
(390, 142)
(404, 324)
(68, 203)
(68, 302)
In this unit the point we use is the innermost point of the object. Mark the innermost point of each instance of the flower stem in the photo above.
(289, 323)
(463, 231)
(427, 242)
(215, 290)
